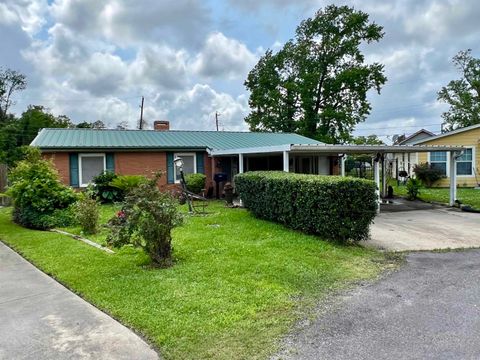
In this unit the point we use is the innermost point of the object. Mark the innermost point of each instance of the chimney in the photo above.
(161, 125)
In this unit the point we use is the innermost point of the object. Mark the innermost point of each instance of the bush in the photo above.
(333, 207)
(413, 189)
(427, 174)
(40, 200)
(125, 183)
(146, 221)
(87, 214)
(195, 182)
(105, 192)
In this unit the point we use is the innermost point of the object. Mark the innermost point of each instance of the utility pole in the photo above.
(216, 119)
(141, 114)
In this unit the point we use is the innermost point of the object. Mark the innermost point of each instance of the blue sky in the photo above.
(93, 60)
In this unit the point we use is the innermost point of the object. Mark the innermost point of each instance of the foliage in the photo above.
(126, 183)
(87, 214)
(367, 140)
(237, 289)
(413, 188)
(99, 124)
(10, 82)
(146, 221)
(427, 174)
(15, 134)
(103, 189)
(195, 182)
(37, 193)
(317, 84)
(336, 208)
(463, 95)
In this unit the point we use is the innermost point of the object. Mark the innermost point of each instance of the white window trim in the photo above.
(175, 155)
(448, 163)
(447, 172)
(80, 157)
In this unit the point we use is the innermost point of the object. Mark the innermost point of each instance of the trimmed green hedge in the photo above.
(333, 207)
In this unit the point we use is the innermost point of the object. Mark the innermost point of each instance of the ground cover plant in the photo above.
(237, 286)
(334, 207)
(467, 196)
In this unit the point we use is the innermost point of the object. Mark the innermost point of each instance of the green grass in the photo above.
(238, 284)
(467, 196)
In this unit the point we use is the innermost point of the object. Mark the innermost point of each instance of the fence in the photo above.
(3, 184)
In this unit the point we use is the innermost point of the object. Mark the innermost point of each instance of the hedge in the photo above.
(333, 207)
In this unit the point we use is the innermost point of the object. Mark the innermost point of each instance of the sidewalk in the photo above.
(41, 319)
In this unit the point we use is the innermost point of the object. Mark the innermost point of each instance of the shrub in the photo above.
(40, 200)
(146, 221)
(87, 214)
(105, 192)
(413, 188)
(125, 183)
(336, 208)
(195, 182)
(427, 174)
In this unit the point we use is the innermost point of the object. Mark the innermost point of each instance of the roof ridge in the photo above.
(170, 131)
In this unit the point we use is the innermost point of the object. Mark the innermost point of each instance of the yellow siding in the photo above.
(466, 138)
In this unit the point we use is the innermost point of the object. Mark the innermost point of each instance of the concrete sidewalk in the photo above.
(41, 319)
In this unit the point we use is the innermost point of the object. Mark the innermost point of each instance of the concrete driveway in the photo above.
(41, 319)
(434, 227)
(429, 309)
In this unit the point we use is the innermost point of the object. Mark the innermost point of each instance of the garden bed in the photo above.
(237, 286)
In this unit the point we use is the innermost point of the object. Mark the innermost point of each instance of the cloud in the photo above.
(224, 57)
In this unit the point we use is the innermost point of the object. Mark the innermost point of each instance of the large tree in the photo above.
(10, 82)
(317, 84)
(463, 95)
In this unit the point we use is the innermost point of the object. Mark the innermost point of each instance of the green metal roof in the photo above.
(58, 139)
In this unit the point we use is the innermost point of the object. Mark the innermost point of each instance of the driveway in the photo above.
(436, 227)
(429, 309)
(41, 319)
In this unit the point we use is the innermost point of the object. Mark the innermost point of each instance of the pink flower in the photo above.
(121, 214)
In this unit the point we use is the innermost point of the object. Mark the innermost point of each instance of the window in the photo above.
(90, 165)
(189, 164)
(465, 163)
(438, 160)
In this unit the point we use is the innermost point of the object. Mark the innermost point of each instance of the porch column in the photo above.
(453, 178)
(342, 164)
(240, 163)
(286, 161)
(376, 178)
(384, 175)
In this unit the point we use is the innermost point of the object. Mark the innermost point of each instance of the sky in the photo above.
(94, 60)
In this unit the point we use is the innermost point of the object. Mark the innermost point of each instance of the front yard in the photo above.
(467, 196)
(237, 286)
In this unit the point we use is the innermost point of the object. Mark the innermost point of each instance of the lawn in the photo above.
(467, 196)
(238, 284)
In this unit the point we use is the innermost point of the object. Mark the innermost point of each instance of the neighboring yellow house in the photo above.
(467, 165)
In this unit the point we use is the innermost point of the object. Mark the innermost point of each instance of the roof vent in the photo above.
(161, 125)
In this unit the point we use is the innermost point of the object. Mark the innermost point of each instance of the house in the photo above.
(467, 165)
(407, 161)
(81, 154)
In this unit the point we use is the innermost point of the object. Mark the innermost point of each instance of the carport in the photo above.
(378, 153)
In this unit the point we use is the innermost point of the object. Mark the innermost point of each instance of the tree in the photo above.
(93, 125)
(368, 140)
(317, 84)
(463, 95)
(10, 81)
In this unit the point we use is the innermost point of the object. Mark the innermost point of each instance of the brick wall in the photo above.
(62, 163)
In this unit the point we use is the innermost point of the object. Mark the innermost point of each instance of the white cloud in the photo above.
(222, 56)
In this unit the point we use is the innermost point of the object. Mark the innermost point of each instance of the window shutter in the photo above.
(200, 163)
(170, 175)
(73, 170)
(110, 162)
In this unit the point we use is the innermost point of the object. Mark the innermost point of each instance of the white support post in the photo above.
(286, 161)
(384, 175)
(342, 165)
(240, 163)
(453, 178)
(376, 178)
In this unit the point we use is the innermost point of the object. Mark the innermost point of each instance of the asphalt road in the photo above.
(429, 309)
